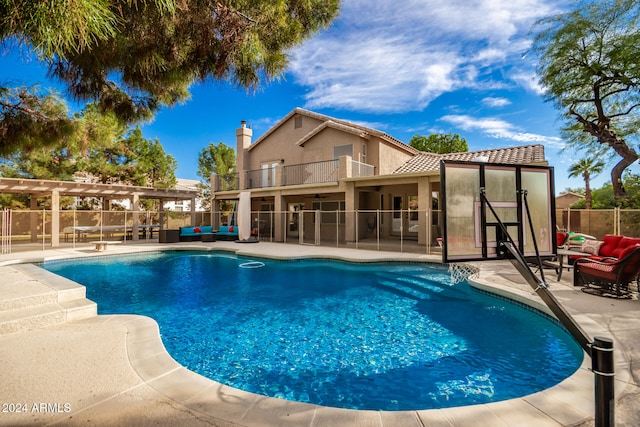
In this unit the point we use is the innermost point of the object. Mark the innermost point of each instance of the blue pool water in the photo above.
(385, 336)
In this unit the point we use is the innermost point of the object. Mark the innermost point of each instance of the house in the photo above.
(564, 200)
(185, 205)
(314, 178)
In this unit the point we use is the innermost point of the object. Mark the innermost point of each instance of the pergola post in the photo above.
(33, 217)
(193, 211)
(136, 216)
(161, 214)
(55, 219)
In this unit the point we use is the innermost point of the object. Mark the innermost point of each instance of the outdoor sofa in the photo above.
(609, 276)
(612, 246)
(191, 234)
(227, 232)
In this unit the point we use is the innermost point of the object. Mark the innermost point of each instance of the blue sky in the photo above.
(427, 66)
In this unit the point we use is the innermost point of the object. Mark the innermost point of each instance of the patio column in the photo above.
(350, 206)
(424, 209)
(55, 219)
(279, 220)
(193, 211)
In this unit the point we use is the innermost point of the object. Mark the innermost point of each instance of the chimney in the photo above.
(243, 142)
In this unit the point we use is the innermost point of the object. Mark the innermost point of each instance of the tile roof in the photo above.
(425, 162)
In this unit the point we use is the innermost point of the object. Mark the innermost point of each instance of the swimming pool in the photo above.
(384, 336)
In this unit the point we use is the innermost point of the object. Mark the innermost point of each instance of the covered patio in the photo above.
(60, 223)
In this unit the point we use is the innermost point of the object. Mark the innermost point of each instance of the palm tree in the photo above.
(587, 167)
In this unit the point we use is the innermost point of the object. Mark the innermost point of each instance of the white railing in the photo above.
(359, 169)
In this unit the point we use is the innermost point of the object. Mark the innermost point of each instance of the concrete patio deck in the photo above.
(78, 368)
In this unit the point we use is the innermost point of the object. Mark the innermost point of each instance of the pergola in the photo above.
(55, 189)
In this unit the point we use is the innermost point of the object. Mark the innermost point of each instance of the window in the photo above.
(342, 150)
(363, 159)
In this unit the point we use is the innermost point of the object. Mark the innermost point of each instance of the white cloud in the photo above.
(500, 129)
(391, 56)
(529, 80)
(496, 102)
(380, 74)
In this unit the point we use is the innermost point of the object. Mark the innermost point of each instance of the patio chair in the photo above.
(609, 277)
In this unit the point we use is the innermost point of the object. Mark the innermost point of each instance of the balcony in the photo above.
(260, 178)
(359, 169)
(306, 173)
(229, 182)
(311, 173)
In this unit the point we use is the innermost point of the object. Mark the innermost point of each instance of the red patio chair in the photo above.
(609, 277)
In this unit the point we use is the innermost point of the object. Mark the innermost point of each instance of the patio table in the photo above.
(563, 254)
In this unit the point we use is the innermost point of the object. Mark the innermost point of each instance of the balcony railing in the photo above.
(359, 169)
(226, 182)
(260, 178)
(300, 174)
(311, 173)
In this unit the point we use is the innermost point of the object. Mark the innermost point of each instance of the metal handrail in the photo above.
(311, 173)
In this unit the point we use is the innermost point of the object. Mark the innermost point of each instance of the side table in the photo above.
(208, 237)
(169, 236)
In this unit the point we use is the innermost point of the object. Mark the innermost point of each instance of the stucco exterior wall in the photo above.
(390, 158)
(280, 144)
(321, 146)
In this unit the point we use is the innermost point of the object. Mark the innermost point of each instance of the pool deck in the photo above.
(79, 368)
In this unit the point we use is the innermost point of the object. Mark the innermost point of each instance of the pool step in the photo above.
(28, 301)
(416, 288)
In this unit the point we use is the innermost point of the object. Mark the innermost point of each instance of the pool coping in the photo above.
(568, 403)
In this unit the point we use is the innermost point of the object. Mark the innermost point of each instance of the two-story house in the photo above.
(314, 178)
